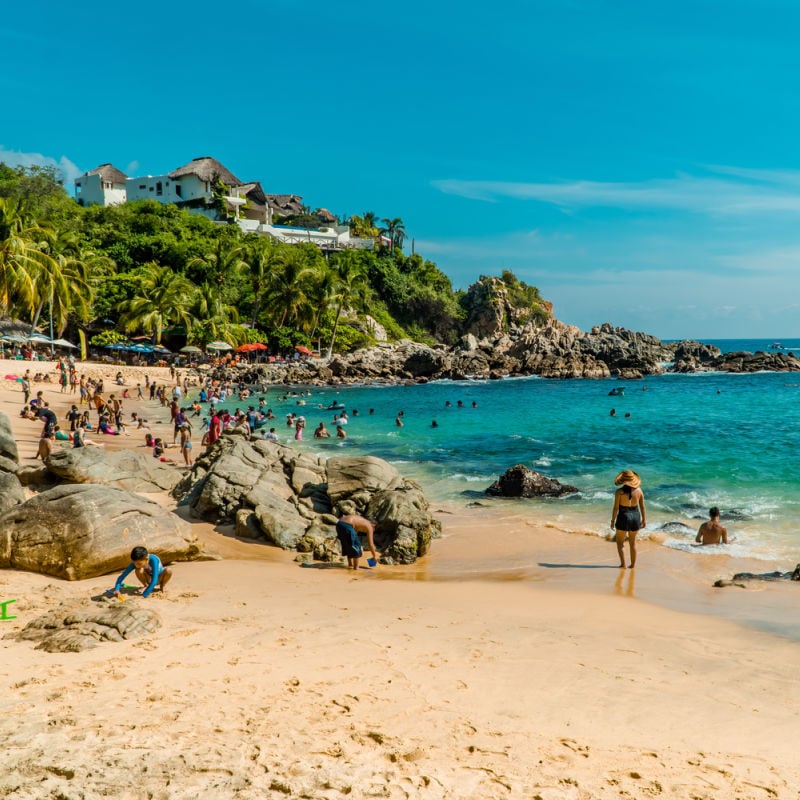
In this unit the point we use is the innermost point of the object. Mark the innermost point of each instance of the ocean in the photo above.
(696, 441)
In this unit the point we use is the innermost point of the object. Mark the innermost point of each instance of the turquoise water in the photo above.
(696, 440)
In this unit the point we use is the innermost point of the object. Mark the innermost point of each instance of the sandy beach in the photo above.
(476, 673)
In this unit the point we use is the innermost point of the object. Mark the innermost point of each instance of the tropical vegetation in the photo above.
(156, 270)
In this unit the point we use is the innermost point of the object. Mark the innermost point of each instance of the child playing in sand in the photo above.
(149, 570)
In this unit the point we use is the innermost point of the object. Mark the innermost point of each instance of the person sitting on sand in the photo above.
(712, 532)
(629, 515)
(62, 436)
(347, 529)
(149, 570)
(47, 444)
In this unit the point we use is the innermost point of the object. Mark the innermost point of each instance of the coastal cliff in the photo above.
(506, 338)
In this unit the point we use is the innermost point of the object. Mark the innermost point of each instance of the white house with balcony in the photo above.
(192, 187)
(101, 186)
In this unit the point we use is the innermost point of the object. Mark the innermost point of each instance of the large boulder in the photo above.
(519, 481)
(9, 454)
(125, 469)
(11, 491)
(287, 497)
(77, 531)
(355, 475)
(404, 527)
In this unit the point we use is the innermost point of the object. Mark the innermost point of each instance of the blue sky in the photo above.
(638, 162)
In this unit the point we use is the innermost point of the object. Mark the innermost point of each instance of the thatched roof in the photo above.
(325, 215)
(253, 192)
(108, 172)
(11, 325)
(285, 204)
(207, 169)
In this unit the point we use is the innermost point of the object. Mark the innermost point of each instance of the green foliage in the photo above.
(107, 337)
(148, 266)
(39, 187)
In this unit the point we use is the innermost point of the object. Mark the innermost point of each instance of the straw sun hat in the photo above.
(628, 478)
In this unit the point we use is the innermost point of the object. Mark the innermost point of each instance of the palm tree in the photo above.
(22, 255)
(221, 264)
(212, 318)
(261, 259)
(164, 297)
(395, 230)
(287, 291)
(66, 283)
(370, 219)
(350, 286)
(321, 293)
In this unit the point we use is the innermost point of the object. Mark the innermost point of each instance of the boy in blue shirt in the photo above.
(149, 570)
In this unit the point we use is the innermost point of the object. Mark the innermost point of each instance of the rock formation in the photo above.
(292, 499)
(71, 629)
(86, 530)
(125, 469)
(519, 481)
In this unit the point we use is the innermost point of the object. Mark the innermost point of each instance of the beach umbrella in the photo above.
(159, 348)
(63, 343)
(140, 348)
(15, 338)
(39, 337)
(116, 346)
(190, 348)
(253, 346)
(218, 346)
(303, 349)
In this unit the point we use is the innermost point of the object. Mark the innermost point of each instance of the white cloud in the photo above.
(725, 190)
(68, 169)
(132, 168)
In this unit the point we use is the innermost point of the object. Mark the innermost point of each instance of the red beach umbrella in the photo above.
(303, 349)
(253, 346)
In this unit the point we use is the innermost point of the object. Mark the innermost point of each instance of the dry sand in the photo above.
(268, 680)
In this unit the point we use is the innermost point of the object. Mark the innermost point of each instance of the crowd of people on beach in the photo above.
(629, 515)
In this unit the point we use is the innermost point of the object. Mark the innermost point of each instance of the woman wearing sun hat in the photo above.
(629, 515)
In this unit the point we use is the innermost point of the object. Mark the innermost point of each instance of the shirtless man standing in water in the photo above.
(712, 532)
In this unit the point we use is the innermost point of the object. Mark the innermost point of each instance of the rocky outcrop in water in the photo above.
(293, 499)
(519, 481)
(696, 357)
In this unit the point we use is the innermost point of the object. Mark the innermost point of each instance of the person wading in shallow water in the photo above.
(629, 515)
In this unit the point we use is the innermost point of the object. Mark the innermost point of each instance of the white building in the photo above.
(191, 185)
(196, 186)
(102, 186)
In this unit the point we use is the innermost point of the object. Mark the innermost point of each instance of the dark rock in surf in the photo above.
(519, 481)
